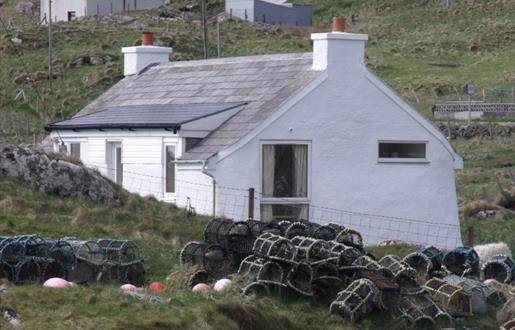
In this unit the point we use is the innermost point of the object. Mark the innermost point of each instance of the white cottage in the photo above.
(69, 10)
(318, 135)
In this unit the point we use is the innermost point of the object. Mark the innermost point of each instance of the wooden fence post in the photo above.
(251, 203)
(470, 236)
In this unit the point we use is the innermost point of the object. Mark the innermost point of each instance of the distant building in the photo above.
(277, 12)
(68, 10)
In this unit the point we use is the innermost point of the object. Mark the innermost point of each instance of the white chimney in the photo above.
(338, 49)
(138, 58)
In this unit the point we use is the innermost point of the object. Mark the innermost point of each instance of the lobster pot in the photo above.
(232, 236)
(11, 251)
(110, 273)
(397, 267)
(134, 273)
(325, 289)
(345, 255)
(229, 234)
(452, 297)
(284, 225)
(325, 270)
(86, 250)
(6, 271)
(297, 229)
(258, 227)
(384, 281)
(26, 271)
(350, 237)
(217, 262)
(508, 325)
(193, 253)
(310, 250)
(200, 276)
(326, 283)
(501, 268)
(299, 278)
(35, 246)
(425, 260)
(498, 293)
(413, 315)
(461, 261)
(213, 258)
(119, 251)
(51, 268)
(262, 270)
(355, 301)
(84, 271)
(327, 232)
(63, 252)
(475, 289)
(274, 247)
(256, 288)
(366, 262)
(423, 312)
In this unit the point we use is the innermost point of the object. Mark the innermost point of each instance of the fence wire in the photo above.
(233, 203)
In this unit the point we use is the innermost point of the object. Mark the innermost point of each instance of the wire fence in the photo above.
(239, 204)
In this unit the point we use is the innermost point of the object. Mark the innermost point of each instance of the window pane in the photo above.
(271, 212)
(75, 149)
(402, 150)
(170, 168)
(285, 170)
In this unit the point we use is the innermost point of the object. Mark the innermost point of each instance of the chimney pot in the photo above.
(147, 39)
(339, 24)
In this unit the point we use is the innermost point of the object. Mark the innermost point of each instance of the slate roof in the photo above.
(263, 82)
(140, 116)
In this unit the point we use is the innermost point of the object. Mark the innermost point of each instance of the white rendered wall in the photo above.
(143, 164)
(60, 8)
(238, 8)
(344, 118)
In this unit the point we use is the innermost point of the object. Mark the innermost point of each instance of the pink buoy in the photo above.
(222, 284)
(201, 288)
(129, 287)
(56, 283)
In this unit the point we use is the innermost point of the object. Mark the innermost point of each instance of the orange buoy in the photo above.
(200, 288)
(157, 286)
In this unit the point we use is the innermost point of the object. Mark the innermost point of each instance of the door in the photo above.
(169, 170)
(114, 162)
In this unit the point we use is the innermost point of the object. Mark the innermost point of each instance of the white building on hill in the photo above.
(277, 12)
(68, 10)
(318, 135)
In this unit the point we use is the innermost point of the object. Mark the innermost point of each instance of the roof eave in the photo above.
(53, 127)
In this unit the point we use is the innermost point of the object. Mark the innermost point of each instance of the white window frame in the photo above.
(286, 200)
(111, 173)
(424, 160)
(167, 195)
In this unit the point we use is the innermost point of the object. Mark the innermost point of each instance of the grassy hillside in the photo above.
(425, 50)
(160, 230)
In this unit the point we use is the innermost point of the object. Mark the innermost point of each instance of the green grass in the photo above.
(404, 41)
(407, 39)
(159, 228)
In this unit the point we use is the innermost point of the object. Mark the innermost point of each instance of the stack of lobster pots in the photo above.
(32, 258)
(427, 288)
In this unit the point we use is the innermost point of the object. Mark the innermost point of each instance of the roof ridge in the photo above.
(236, 59)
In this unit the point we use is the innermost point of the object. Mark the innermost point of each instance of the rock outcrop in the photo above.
(56, 173)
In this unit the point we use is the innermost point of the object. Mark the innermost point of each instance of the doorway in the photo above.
(114, 162)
